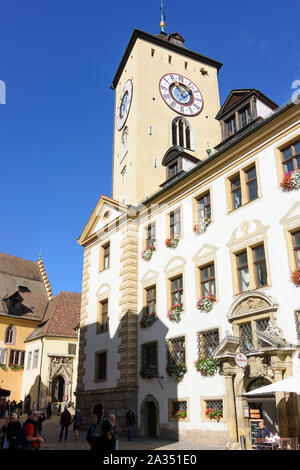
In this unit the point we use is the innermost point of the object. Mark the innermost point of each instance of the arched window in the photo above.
(181, 133)
(124, 142)
(10, 335)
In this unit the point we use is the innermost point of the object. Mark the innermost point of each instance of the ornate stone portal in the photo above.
(61, 366)
(270, 358)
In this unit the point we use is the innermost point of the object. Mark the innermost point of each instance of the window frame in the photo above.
(96, 374)
(209, 279)
(242, 174)
(104, 256)
(293, 157)
(179, 290)
(253, 281)
(144, 348)
(102, 326)
(173, 223)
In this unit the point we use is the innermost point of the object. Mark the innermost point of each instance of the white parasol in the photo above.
(292, 384)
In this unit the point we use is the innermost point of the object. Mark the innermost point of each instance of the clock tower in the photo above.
(165, 96)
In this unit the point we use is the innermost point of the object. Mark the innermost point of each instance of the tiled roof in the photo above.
(16, 272)
(61, 317)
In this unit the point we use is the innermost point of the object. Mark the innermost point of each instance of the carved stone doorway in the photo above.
(58, 389)
(151, 418)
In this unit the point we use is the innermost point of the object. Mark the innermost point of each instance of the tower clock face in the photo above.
(124, 104)
(180, 94)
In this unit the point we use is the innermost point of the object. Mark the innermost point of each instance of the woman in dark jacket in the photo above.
(11, 429)
(106, 441)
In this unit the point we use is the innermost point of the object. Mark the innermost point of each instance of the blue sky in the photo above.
(58, 59)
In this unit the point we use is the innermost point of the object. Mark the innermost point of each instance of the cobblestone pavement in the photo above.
(51, 431)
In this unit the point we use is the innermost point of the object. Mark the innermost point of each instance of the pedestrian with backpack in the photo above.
(77, 422)
(65, 421)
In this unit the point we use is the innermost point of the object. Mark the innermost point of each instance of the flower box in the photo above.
(16, 367)
(206, 303)
(3, 366)
(201, 226)
(176, 370)
(174, 314)
(214, 413)
(147, 254)
(207, 365)
(148, 320)
(295, 277)
(180, 415)
(173, 241)
(291, 181)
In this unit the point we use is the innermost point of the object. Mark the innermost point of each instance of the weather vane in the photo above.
(163, 17)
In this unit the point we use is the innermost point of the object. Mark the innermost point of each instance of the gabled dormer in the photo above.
(241, 109)
(177, 161)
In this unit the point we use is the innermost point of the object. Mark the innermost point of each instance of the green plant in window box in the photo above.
(3, 366)
(16, 367)
(295, 277)
(207, 365)
(180, 414)
(176, 370)
(214, 413)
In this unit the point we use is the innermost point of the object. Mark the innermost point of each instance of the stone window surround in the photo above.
(203, 401)
(170, 409)
(96, 355)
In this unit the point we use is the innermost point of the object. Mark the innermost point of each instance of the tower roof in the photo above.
(173, 43)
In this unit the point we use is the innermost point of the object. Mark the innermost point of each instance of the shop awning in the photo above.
(292, 384)
(4, 393)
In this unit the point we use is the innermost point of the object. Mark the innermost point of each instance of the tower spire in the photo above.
(163, 17)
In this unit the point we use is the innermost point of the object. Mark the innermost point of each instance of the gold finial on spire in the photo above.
(163, 17)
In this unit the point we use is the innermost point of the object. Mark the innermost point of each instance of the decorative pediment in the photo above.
(292, 217)
(175, 264)
(227, 348)
(105, 213)
(149, 276)
(247, 230)
(250, 304)
(103, 291)
(205, 254)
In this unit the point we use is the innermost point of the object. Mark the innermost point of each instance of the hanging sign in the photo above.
(241, 360)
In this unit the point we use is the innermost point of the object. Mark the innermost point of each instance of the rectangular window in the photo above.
(106, 256)
(296, 246)
(100, 366)
(236, 192)
(102, 324)
(230, 126)
(262, 325)
(72, 349)
(151, 300)
(178, 406)
(243, 271)
(173, 169)
(203, 207)
(291, 157)
(245, 116)
(29, 360)
(3, 356)
(35, 359)
(175, 222)
(207, 342)
(260, 266)
(177, 291)
(151, 235)
(16, 357)
(149, 360)
(213, 405)
(245, 333)
(208, 283)
(251, 182)
(176, 351)
(297, 322)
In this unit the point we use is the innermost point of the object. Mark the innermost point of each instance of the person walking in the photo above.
(115, 429)
(77, 422)
(65, 421)
(41, 418)
(32, 438)
(20, 408)
(49, 410)
(130, 419)
(10, 430)
(106, 441)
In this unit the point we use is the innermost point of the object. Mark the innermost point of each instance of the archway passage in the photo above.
(151, 419)
(58, 389)
(262, 407)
